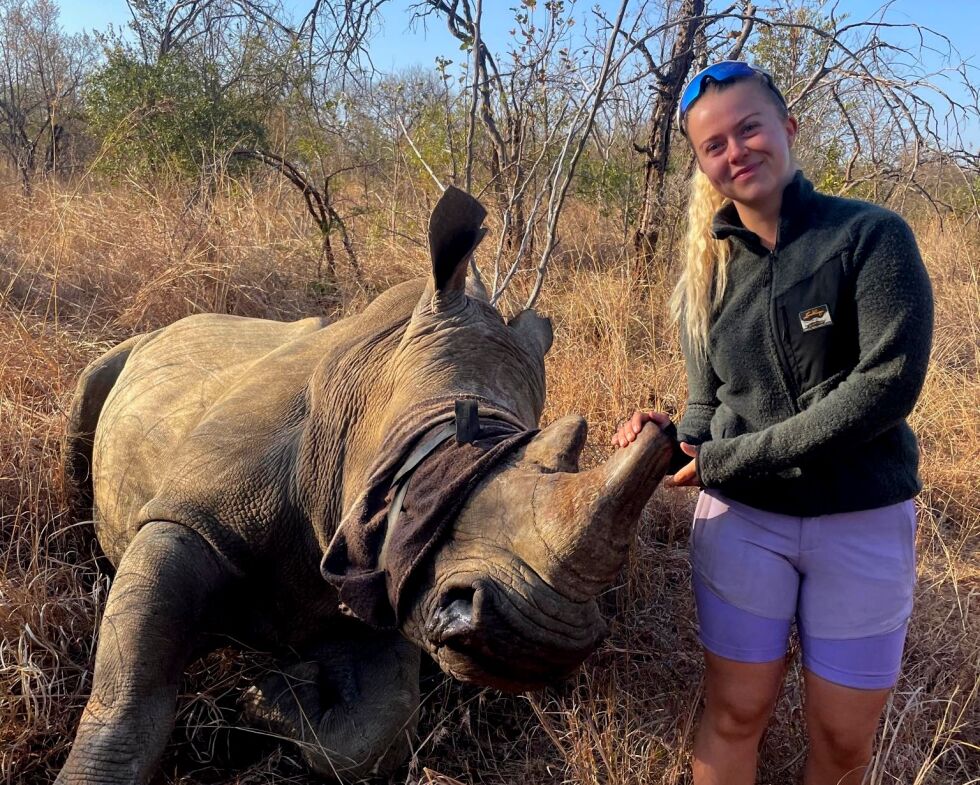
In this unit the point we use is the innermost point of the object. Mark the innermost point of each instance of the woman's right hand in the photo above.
(628, 431)
(687, 476)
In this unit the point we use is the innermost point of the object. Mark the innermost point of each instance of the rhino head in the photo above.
(509, 598)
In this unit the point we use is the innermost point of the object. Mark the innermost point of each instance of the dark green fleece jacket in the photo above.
(815, 358)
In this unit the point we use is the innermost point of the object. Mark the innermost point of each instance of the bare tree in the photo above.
(42, 72)
(318, 204)
(215, 28)
(327, 133)
(510, 101)
(668, 80)
(536, 118)
(868, 97)
(303, 70)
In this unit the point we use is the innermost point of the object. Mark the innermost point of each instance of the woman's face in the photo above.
(742, 144)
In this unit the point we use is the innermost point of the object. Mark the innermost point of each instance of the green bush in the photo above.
(166, 116)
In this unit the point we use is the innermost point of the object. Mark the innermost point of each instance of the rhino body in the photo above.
(220, 456)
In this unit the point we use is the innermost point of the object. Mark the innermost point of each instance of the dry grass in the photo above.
(81, 268)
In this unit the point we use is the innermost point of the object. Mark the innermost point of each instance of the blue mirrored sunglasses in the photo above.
(723, 71)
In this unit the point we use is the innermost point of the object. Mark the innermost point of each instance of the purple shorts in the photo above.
(847, 580)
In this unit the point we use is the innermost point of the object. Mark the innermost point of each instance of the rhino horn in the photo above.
(455, 230)
(592, 516)
(557, 447)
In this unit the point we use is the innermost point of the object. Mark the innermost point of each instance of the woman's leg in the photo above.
(855, 598)
(745, 587)
(739, 697)
(841, 725)
(847, 684)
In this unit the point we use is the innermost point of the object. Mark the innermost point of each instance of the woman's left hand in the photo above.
(687, 476)
(629, 430)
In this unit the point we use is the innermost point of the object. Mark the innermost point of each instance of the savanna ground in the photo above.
(84, 266)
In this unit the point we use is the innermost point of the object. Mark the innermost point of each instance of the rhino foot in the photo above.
(351, 707)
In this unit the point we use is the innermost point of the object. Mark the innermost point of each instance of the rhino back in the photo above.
(203, 427)
(170, 381)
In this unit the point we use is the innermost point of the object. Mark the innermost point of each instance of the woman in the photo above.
(806, 323)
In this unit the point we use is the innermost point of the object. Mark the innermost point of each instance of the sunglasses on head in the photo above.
(723, 71)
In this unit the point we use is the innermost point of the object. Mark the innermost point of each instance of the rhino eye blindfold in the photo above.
(721, 72)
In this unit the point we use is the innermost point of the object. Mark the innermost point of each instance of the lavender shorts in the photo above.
(847, 580)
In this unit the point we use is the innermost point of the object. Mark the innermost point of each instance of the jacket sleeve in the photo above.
(893, 301)
(702, 388)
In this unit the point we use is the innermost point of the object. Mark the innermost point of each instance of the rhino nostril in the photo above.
(457, 596)
(455, 616)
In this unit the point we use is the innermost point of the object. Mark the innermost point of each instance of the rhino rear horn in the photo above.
(558, 447)
(455, 230)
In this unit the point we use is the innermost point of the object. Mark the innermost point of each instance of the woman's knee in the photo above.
(739, 696)
(737, 717)
(844, 746)
(842, 721)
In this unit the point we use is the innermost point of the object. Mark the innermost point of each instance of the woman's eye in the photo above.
(712, 147)
(749, 127)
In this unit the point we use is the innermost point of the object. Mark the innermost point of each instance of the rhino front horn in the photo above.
(592, 516)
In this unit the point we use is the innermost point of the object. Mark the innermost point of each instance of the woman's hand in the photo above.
(628, 430)
(687, 476)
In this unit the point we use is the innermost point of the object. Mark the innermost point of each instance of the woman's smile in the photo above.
(746, 172)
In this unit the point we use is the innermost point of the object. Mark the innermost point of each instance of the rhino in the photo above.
(346, 496)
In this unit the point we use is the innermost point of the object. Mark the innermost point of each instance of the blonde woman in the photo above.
(806, 323)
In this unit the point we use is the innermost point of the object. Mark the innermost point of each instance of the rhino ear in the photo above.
(557, 447)
(455, 230)
(533, 330)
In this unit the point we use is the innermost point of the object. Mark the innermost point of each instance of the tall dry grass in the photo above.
(83, 267)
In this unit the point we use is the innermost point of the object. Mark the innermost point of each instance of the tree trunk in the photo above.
(326, 254)
(657, 150)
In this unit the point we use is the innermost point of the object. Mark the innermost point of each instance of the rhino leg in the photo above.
(350, 706)
(154, 614)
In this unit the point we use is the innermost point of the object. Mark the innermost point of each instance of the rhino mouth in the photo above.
(510, 639)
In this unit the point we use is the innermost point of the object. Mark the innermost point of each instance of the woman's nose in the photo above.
(736, 149)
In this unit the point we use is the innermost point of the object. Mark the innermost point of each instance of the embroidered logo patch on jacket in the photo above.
(815, 317)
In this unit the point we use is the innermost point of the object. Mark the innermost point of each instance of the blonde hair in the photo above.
(701, 287)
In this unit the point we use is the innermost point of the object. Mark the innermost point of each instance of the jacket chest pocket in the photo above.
(815, 326)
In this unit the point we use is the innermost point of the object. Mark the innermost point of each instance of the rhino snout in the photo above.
(489, 634)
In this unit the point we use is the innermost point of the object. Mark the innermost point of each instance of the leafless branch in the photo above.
(418, 155)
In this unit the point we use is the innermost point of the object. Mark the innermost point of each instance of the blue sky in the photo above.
(397, 46)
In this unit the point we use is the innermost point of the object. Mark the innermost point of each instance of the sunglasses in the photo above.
(723, 71)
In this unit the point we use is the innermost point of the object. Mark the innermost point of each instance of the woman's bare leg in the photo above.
(841, 725)
(739, 698)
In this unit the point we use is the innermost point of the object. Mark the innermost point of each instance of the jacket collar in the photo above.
(793, 214)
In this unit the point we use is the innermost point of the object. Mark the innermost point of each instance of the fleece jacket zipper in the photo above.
(779, 338)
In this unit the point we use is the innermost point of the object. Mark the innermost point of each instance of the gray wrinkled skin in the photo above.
(223, 453)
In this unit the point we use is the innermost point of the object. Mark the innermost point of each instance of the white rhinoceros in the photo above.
(346, 495)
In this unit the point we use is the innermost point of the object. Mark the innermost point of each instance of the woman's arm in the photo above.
(894, 324)
(695, 425)
(702, 395)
